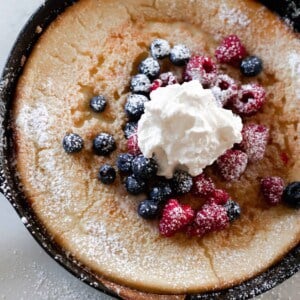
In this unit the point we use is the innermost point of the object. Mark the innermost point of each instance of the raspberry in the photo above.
(202, 185)
(225, 89)
(201, 68)
(157, 83)
(132, 145)
(272, 189)
(255, 139)
(232, 164)
(175, 217)
(194, 230)
(168, 78)
(212, 217)
(250, 99)
(219, 197)
(231, 51)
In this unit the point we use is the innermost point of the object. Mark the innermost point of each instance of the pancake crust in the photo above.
(94, 47)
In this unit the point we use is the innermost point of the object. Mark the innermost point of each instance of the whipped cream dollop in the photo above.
(183, 127)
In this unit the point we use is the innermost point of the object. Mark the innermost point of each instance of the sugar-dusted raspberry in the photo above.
(231, 51)
(175, 217)
(225, 89)
(202, 185)
(218, 196)
(232, 164)
(157, 83)
(168, 78)
(194, 230)
(272, 189)
(212, 217)
(132, 145)
(250, 99)
(201, 68)
(255, 139)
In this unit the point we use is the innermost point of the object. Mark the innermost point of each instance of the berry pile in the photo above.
(139, 173)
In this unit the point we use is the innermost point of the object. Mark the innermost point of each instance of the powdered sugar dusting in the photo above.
(36, 123)
(294, 63)
(233, 16)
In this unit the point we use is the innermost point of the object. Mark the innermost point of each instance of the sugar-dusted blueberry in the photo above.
(160, 48)
(181, 182)
(104, 144)
(161, 192)
(143, 167)
(148, 209)
(107, 174)
(98, 103)
(180, 55)
(291, 194)
(140, 84)
(124, 162)
(72, 143)
(134, 106)
(233, 210)
(129, 129)
(150, 67)
(251, 66)
(135, 185)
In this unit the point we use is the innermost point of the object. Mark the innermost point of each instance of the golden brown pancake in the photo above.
(94, 48)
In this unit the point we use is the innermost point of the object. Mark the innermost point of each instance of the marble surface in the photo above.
(26, 271)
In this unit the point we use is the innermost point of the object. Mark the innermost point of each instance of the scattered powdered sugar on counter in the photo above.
(233, 16)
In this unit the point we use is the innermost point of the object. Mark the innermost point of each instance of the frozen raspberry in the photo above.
(231, 51)
(212, 217)
(157, 83)
(219, 197)
(255, 139)
(194, 230)
(272, 189)
(202, 185)
(175, 217)
(225, 89)
(168, 78)
(232, 164)
(201, 68)
(250, 99)
(132, 145)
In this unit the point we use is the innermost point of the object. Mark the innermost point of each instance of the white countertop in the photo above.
(26, 271)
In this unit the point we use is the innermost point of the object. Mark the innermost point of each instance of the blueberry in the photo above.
(104, 144)
(181, 182)
(233, 210)
(150, 67)
(148, 209)
(160, 48)
(160, 193)
(129, 129)
(98, 103)
(143, 167)
(124, 162)
(251, 66)
(180, 55)
(140, 84)
(134, 106)
(135, 185)
(107, 174)
(291, 194)
(72, 143)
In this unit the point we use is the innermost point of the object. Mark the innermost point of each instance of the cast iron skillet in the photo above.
(10, 188)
